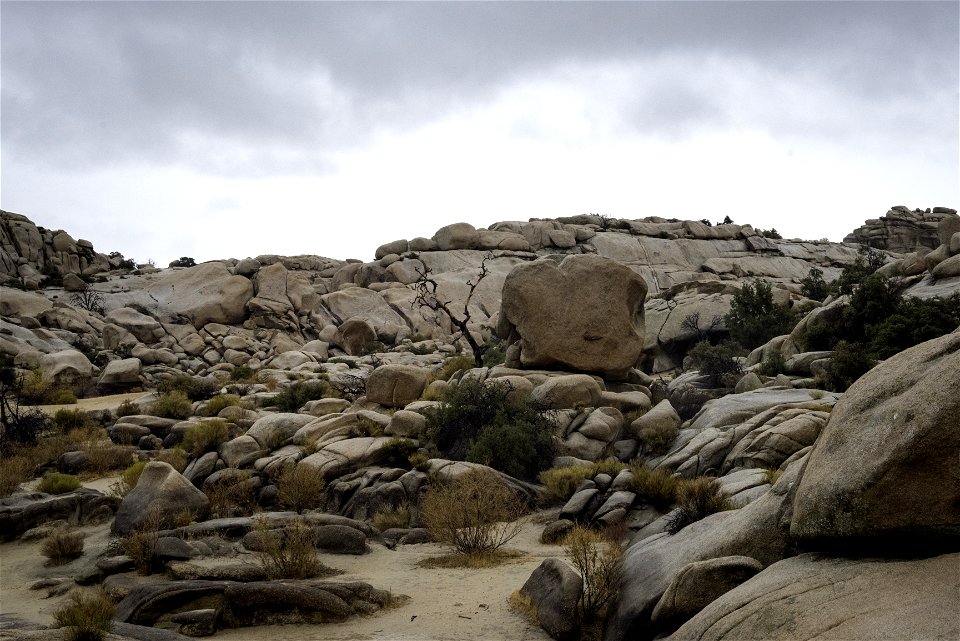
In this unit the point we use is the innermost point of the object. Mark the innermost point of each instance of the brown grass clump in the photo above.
(127, 408)
(300, 487)
(473, 561)
(394, 517)
(290, 552)
(141, 544)
(206, 436)
(657, 439)
(475, 513)
(233, 496)
(697, 498)
(88, 617)
(62, 546)
(656, 487)
(562, 482)
(15, 470)
(523, 606)
(599, 562)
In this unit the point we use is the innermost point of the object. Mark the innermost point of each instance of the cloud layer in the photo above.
(363, 120)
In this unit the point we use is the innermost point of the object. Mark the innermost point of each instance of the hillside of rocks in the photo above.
(837, 512)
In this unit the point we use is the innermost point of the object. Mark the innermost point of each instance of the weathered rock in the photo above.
(651, 564)
(354, 335)
(272, 430)
(457, 236)
(396, 385)
(22, 512)
(662, 417)
(68, 368)
(120, 374)
(162, 493)
(145, 328)
(554, 590)
(700, 583)
(568, 392)
(407, 424)
(812, 597)
(585, 314)
(890, 446)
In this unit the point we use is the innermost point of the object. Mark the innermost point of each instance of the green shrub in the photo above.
(849, 362)
(62, 397)
(219, 402)
(562, 482)
(67, 420)
(175, 457)
(657, 439)
(127, 408)
(754, 318)
(867, 262)
(297, 394)
(770, 233)
(774, 364)
(88, 617)
(813, 286)
(715, 361)
(172, 405)
(194, 388)
(654, 487)
(453, 365)
(205, 437)
(57, 483)
(482, 423)
(697, 498)
(397, 452)
(242, 374)
(62, 546)
(128, 480)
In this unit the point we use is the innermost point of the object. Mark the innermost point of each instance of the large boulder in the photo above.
(68, 368)
(584, 314)
(145, 328)
(554, 590)
(700, 583)
(812, 597)
(206, 293)
(120, 374)
(885, 469)
(396, 385)
(161, 495)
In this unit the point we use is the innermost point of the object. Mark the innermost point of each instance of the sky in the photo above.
(223, 129)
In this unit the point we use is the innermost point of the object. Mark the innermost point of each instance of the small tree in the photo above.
(426, 288)
(183, 261)
(600, 564)
(754, 318)
(727, 220)
(813, 286)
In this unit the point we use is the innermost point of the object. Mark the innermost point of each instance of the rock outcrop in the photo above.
(902, 230)
(584, 314)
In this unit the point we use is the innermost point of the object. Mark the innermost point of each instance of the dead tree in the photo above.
(427, 298)
(692, 324)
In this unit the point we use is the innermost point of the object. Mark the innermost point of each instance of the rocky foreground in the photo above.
(842, 510)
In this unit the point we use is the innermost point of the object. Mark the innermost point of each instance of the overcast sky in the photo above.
(218, 129)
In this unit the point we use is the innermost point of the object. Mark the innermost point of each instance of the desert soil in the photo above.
(444, 604)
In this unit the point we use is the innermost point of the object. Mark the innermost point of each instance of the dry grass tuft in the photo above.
(88, 617)
(62, 546)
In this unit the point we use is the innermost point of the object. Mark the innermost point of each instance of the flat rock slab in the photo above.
(815, 597)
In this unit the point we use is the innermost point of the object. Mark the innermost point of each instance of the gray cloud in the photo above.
(261, 87)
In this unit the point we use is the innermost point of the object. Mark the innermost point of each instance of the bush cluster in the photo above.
(297, 394)
(697, 498)
(475, 514)
(173, 404)
(481, 422)
(193, 387)
(205, 437)
(57, 483)
(88, 618)
(754, 318)
(62, 546)
(716, 361)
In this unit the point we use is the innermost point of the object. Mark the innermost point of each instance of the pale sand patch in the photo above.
(444, 605)
(111, 402)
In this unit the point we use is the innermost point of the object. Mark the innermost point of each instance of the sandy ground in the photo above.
(444, 604)
(111, 402)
